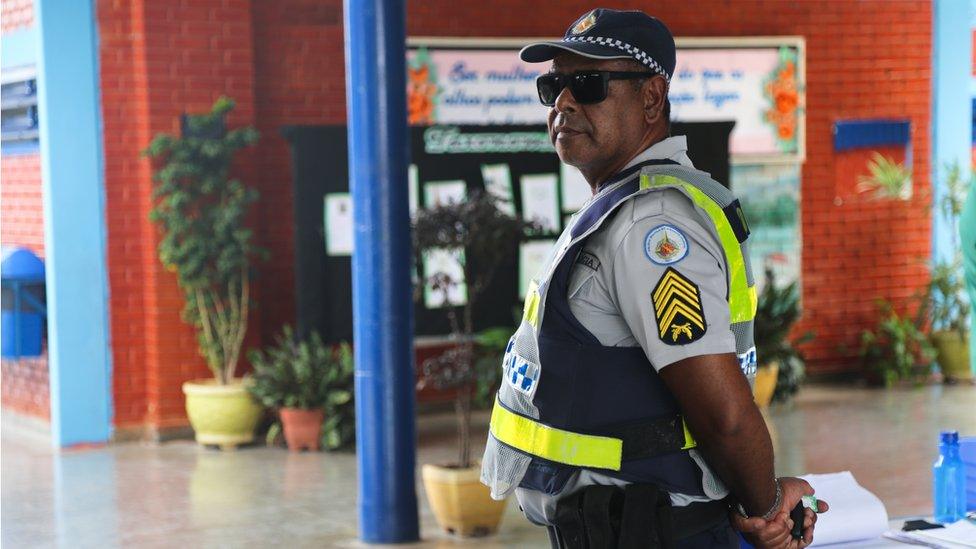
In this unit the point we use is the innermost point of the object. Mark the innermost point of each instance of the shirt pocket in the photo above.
(580, 282)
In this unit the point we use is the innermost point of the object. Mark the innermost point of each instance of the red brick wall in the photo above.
(16, 14)
(25, 386)
(158, 60)
(21, 203)
(24, 382)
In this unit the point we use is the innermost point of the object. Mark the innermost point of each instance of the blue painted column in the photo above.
(951, 111)
(382, 307)
(74, 222)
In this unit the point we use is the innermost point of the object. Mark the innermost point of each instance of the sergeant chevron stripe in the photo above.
(678, 309)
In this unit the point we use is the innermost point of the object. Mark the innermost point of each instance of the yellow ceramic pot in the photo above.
(225, 415)
(765, 386)
(461, 504)
(952, 353)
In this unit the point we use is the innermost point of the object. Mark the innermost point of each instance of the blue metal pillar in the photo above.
(382, 307)
(951, 111)
(74, 222)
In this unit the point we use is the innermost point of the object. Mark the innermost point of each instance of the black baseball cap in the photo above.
(612, 34)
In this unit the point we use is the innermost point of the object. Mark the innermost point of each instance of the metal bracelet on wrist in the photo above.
(777, 503)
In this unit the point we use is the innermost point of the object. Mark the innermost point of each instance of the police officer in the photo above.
(625, 418)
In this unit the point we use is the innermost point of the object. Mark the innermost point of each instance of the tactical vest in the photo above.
(567, 402)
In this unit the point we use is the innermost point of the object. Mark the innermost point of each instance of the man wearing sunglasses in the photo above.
(625, 418)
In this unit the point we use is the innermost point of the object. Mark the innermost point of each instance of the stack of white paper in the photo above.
(957, 535)
(855, 513)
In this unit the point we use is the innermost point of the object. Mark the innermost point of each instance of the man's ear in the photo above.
(654, 93)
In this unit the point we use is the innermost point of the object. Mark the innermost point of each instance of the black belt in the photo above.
(649, 438)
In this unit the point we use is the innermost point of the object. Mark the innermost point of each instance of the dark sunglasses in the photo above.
(587, 86)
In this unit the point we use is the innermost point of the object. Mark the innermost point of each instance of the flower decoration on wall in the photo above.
(782, 91)
(421, 89)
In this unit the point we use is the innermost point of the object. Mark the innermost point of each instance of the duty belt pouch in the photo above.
(637, 516)
(646, 518)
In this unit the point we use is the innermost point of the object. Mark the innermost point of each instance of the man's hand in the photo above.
(763, 534)
(775, 533)
(793, 490)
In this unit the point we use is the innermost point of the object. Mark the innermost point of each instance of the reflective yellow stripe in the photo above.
(742, 297)
(689, 440)
(534, 438)
(530, 311)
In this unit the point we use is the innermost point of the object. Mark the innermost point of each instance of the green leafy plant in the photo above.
(944, 302)
(201, 212)
(887, 180)
(954, 198)
(777, 312)
(956, 189)
(897, 348)
(486, 234)
(307, 374)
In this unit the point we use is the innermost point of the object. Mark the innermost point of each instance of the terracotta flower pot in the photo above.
(461, 504)
(302, 428)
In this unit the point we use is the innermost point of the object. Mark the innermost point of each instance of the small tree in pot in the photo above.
(305, 380)
(483, 235)
(944, 300)
(201, 212)
(948, 312)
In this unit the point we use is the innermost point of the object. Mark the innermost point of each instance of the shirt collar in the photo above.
(672, 148)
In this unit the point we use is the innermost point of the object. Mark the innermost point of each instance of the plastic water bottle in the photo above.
(949, 480)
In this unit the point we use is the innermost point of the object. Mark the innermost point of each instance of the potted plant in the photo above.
(948, 312)
(305, 381)
(896, 349)
(200, 211)
(781, 370)
(461, 504)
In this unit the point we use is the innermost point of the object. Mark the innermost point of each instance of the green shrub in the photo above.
(308, 374)
(896, 349)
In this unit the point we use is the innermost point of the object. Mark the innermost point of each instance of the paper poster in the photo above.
(442, 193)
(338, 224)
(532, 258)
(540, 201)
(498, 182)
(413, 189)
(444, 266)
(576, 191)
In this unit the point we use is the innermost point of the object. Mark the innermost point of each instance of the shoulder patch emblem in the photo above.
(665, 245)
(678, 309)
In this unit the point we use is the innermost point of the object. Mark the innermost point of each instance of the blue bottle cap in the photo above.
(949, 437)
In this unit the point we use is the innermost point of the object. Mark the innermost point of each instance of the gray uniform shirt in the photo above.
(610, 293)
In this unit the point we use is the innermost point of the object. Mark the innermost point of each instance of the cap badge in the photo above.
(585, 23)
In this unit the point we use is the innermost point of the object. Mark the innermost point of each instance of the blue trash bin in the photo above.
(22, 304)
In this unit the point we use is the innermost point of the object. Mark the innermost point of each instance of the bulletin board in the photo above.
(441, 156)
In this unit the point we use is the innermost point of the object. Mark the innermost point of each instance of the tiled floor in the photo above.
(180, 495)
